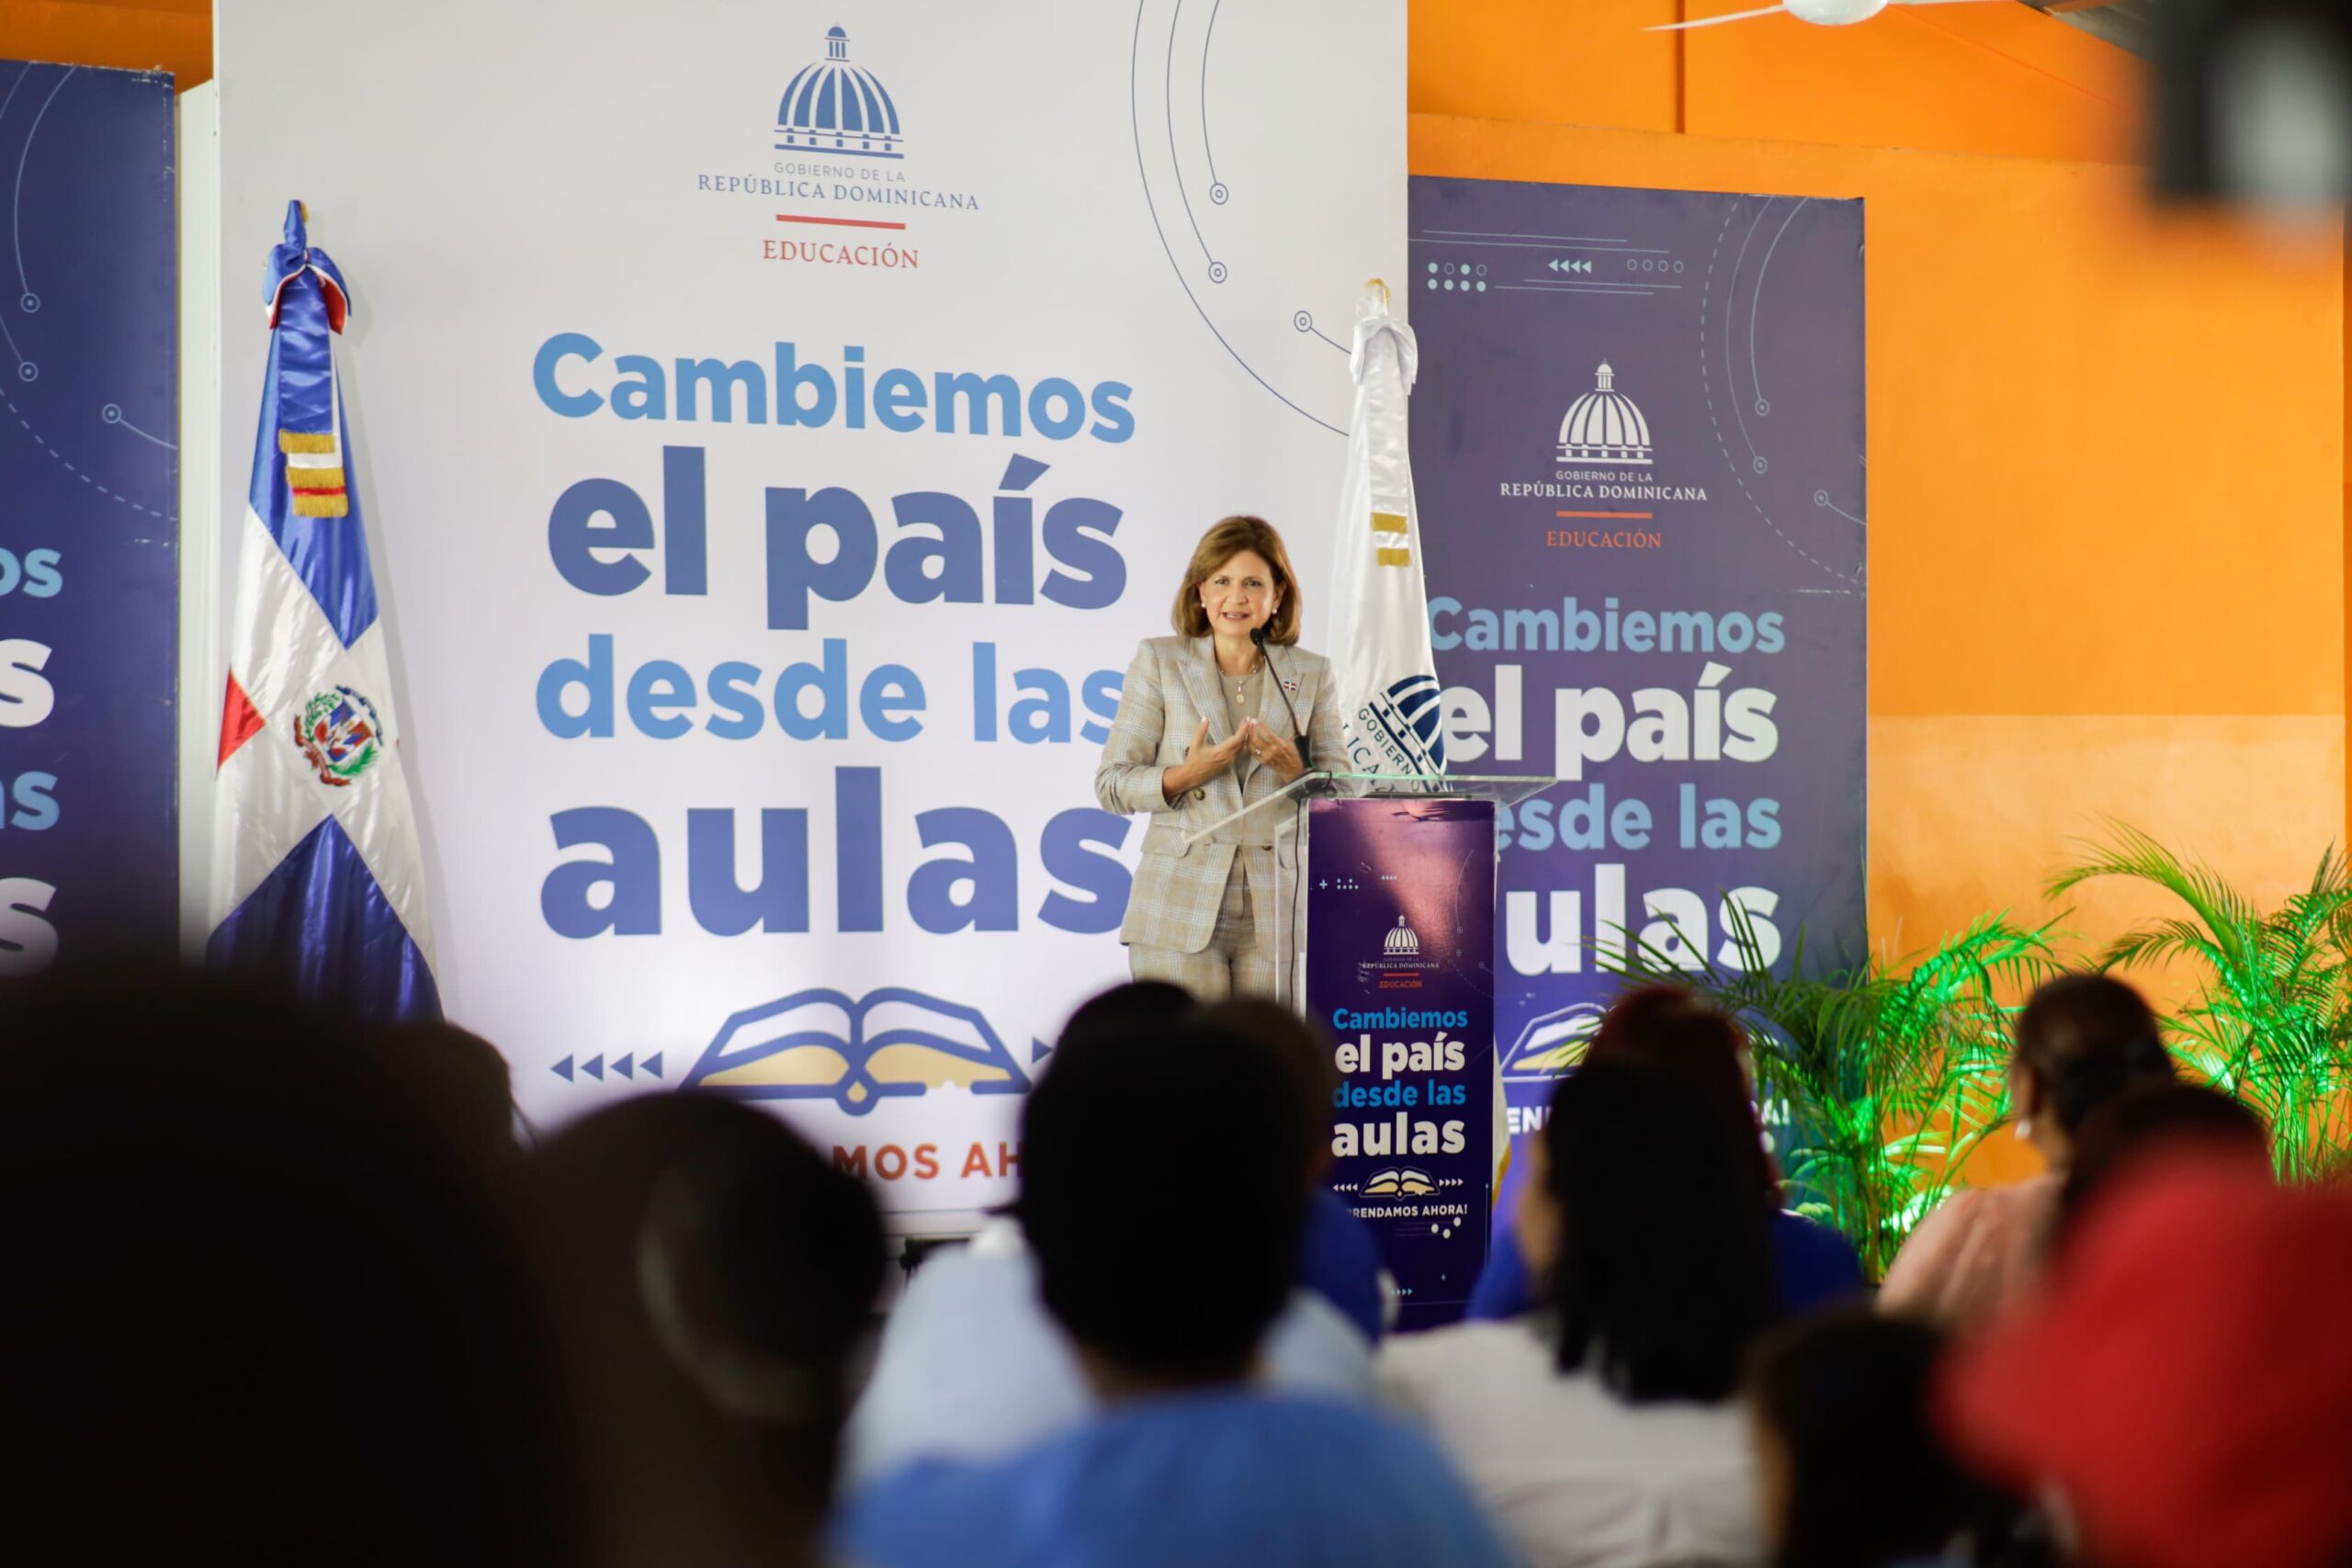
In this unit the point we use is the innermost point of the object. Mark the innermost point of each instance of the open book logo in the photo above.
(1551, 1043)
(821, 1044)
(1404, 1183)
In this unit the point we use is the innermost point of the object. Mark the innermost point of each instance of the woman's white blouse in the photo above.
(1571, 1474)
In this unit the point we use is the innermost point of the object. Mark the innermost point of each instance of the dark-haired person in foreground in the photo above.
(1163, 1198)
(1602, 1430)
(1667, 1028)
(2081, 1040)
(261, 1307)
(1338, 1256)
(1854, 1475)
(971, 1366)
(454, 1077)
(2148, 1126)
(710, 1276)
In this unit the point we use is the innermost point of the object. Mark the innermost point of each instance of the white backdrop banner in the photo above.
(778, 422)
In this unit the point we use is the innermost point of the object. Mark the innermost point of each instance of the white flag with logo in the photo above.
(1386, 671)
(1386, 674)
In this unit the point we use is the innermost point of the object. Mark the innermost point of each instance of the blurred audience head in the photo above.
(1853, 1476)
(1641, 1215)
(1304, 1053)
(1669, 1030)
(2081, 1040)
(712, 1277)
(1163, 1189)
(2150, 1123)
(2182, 1382)
(1124, 1010)
(455, 1078)
(255, 1302)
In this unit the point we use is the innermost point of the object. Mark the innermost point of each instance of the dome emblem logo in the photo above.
(1604, 425)
(838, 108)
(1403, 941)
(1605, 483)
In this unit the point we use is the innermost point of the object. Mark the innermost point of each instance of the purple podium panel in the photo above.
(1400, 901)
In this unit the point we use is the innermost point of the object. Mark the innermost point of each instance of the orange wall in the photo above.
(2107, 451)
(1992, 79)
(134, 34)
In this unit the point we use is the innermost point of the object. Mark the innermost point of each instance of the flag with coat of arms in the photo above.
(1386, 671)
(317, 875)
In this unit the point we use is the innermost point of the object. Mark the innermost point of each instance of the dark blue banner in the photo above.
(88, 515)
(1638, 449)
(1400, 909)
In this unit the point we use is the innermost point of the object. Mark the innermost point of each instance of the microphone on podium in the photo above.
(1258, 636)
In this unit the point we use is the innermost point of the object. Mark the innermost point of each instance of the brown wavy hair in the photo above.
(1228, 537)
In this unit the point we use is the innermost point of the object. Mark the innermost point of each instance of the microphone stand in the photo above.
(1284, 980)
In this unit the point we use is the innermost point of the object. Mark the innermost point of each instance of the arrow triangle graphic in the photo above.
(626, 1065)
(1038, 1051)
(595, 1067)
(652, 1065)
(562, 1069)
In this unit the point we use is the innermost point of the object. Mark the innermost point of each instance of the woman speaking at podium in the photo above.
(1213, 719)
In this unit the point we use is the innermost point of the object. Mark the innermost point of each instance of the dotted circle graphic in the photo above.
(60, 456)
(1706, 386)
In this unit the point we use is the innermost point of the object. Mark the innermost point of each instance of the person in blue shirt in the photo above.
(1666, 1027)
(1162, 1200)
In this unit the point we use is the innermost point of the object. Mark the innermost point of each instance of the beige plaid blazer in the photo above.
(1170, 687)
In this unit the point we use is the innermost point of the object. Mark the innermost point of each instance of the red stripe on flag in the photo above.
(240, 722)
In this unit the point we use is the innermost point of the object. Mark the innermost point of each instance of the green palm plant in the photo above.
(2272, 1020)
(1880, 1082)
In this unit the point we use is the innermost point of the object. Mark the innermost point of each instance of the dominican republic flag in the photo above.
(316, 872)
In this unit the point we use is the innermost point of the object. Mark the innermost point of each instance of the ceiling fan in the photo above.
(1820, 13)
